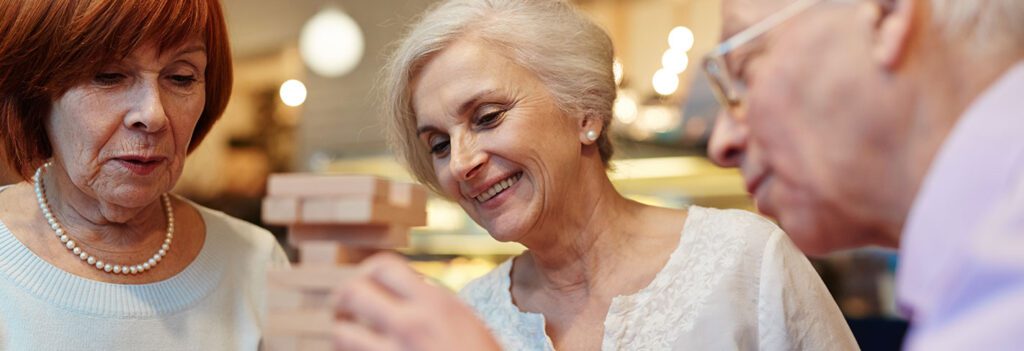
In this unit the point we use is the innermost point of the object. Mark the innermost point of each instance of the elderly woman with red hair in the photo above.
(100, 103)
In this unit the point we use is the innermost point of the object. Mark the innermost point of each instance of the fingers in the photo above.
(363, 300)
(393, 273)
(349, 336)
(388, 306)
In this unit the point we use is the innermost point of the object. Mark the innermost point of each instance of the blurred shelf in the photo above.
(460, 245)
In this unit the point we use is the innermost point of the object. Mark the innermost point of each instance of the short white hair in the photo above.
(990, 25)
(568, 52)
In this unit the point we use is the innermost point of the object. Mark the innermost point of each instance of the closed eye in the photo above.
(108, 78)
(439, 146)
(491, 119)
(183, 80)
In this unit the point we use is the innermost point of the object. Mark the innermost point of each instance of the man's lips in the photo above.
(755, 182)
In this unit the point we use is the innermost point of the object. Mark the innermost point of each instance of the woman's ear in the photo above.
(894, 21)
(590, 129)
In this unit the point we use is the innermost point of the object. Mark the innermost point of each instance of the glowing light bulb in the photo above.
(331, 43)
(675, 60)
(665, 82)
(293, 93)
(680, 38)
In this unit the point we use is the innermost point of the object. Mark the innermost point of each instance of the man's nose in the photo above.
(728, 140)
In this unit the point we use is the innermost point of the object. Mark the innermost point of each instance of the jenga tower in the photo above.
(333, 220)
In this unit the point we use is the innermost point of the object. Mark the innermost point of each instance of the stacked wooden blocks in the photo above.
(333, 220)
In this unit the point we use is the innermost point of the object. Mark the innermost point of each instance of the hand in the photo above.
(388, 306)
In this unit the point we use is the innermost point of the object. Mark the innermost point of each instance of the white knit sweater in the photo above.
(216, 303)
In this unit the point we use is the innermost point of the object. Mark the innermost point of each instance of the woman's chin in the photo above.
(132, 199)
(504, 232)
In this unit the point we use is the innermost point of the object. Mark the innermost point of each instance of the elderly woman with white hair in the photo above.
(504, 106)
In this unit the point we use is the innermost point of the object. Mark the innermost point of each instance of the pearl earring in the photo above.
(592, 135)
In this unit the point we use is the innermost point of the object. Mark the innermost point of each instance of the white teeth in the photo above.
(497, 188)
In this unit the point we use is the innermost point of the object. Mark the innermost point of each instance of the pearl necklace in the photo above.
(72, 246)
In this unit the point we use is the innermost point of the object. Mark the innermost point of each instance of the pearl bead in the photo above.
(62, 235)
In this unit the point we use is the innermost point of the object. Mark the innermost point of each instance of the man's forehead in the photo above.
(737, 15)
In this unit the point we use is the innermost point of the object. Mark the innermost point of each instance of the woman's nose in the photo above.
(148, 113)
(466, 158)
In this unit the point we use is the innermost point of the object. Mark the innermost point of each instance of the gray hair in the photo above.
(568, 52)
(990, 25)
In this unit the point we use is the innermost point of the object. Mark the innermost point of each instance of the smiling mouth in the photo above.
(498, 188)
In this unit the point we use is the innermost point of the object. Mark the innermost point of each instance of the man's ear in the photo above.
(893, 24)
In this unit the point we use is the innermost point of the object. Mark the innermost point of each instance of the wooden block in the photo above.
(304, 322)
(280, 343)
(327, 210)
(362, 236)
(331, 253)
(412, 201)
(320, 252)
(298, 343)
(313, 278)
(408, 195)
(339, 210)
(280, 297)
(309, 343)
(284, 298)
(319, 185)
(280, 210)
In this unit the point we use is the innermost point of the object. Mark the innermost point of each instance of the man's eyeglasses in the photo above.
(730, 91)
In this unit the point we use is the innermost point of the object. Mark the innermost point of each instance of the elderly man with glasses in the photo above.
(897, 123)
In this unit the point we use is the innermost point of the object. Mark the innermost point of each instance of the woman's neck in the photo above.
(586, 244)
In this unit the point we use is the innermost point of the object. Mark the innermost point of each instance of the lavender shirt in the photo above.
(961, 275)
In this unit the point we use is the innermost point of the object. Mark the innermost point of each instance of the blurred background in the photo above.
(304, 101)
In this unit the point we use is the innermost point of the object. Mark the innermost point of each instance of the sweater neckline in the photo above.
(54, 286)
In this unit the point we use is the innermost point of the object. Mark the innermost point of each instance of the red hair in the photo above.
(49, 47)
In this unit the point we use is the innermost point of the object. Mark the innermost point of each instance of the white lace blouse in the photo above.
(736, 282)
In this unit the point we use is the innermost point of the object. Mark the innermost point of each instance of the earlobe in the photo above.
(590, 130)
(893, 29)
